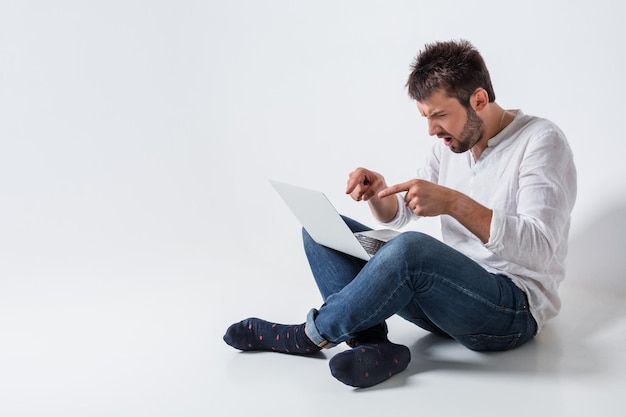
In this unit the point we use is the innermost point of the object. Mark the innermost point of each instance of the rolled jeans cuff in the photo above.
(314, 334)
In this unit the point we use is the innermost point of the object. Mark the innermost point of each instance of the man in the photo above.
(504, 193)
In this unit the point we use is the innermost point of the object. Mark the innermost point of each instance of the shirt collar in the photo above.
(504, 133)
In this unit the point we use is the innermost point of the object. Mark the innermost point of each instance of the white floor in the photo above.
(135, 133)
(111, 340)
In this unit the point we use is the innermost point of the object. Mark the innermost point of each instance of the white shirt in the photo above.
(527, 176)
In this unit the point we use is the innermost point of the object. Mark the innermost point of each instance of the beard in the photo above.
(471, 134)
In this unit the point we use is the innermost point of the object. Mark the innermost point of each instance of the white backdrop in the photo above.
(137, 138)
(146, 131)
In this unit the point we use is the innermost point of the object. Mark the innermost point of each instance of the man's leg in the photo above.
(332, 270)
(373, 358)
(432, 285)
(424, 280)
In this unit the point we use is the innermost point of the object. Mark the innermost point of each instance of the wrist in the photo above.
(454, 203)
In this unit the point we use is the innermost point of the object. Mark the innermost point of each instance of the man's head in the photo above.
(454, 66)
(452, 87)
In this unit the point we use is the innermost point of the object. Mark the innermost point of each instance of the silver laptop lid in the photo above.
(320, 218)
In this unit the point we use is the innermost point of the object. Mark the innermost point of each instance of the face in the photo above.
(458, 127)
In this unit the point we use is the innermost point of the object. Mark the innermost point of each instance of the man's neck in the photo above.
(496, 119)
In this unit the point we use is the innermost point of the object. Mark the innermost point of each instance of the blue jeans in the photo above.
(422, 280)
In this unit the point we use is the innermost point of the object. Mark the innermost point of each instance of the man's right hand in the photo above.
(364, 184)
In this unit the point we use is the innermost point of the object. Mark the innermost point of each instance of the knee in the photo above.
(416, 249)
(309, 244)
(408, 243)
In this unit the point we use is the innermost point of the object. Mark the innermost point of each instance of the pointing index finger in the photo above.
(394, 189)
(352, 183)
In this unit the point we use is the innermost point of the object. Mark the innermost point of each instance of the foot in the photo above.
(369, 364)
(256, 334)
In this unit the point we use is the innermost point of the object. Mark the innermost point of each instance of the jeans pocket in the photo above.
(488, 342)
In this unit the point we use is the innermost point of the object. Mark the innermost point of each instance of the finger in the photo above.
(394, 189)
(354, 181)
(367, 194)
(356, 193)
(362, 185)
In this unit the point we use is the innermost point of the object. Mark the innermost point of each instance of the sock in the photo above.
(369, 364)
(256, 334)
(372, 359)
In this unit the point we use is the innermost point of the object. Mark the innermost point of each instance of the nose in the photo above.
(433, 127)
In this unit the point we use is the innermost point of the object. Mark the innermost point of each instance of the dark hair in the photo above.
(455, 66)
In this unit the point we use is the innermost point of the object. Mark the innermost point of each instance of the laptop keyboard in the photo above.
(370, 244)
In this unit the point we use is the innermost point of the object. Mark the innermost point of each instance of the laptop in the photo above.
(325, 225)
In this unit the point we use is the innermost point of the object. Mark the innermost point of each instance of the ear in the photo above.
(479, 100)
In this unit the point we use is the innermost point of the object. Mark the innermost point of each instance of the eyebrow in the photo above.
(436, 113)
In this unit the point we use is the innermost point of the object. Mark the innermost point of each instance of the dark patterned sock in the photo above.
(257, 334)
(369, 364)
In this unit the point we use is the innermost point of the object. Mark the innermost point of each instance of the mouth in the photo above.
(447, 140)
